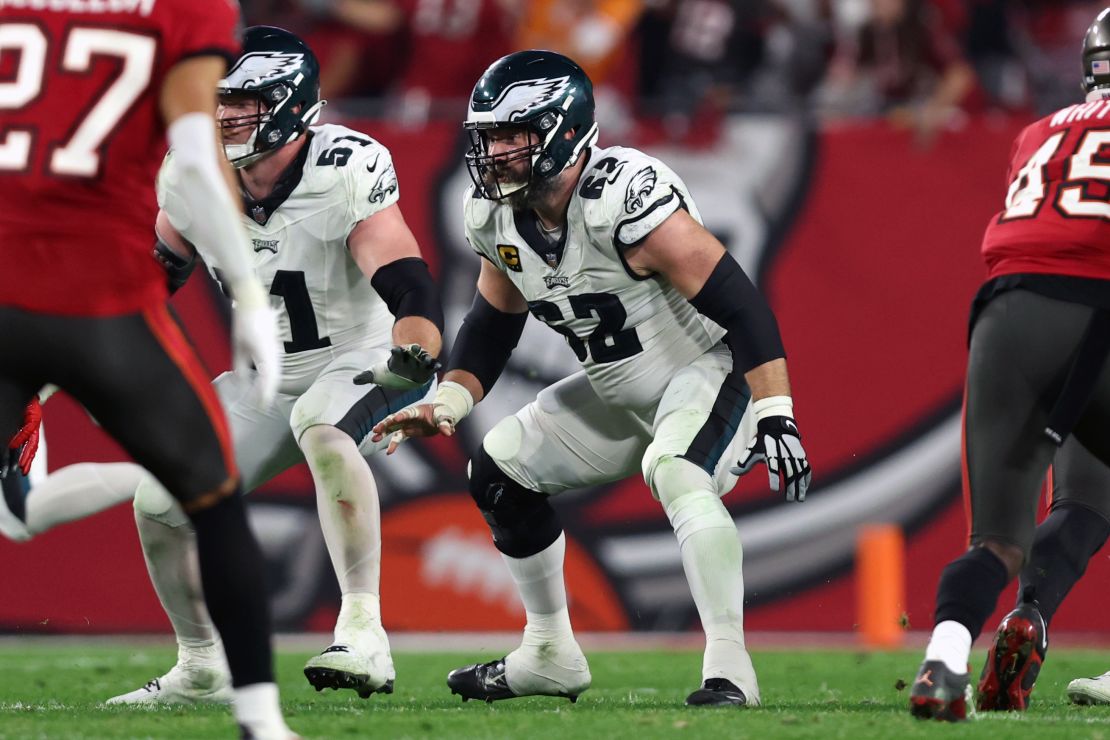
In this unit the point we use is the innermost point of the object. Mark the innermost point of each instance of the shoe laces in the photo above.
(494, 674)
(720, 684)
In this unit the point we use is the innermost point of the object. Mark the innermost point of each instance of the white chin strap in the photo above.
(510, 188)
(241, 155)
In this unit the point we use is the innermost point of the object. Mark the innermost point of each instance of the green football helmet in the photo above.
(1096, 55)
(545, 93)
(279, 72)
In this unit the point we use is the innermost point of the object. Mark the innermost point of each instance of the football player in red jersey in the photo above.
(1038, 393)
(89, 94)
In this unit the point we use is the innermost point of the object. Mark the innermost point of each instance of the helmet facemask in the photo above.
(269, 133)
(547, 130)
(247, 152)
(490, 172)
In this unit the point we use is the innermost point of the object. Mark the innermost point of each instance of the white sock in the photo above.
(171, 561)
(190, 651)
(539, 581)
(257, 706)
(357, 611)
(347, 504)
(545, 629)
(79, 491)
(950, 644)
(713, 561)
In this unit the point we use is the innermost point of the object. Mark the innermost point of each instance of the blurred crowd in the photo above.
(923, 63)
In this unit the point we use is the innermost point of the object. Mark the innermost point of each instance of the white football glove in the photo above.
(254, 338)
(778, 443)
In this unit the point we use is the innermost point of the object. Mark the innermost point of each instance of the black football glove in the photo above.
(406, 368)
(779, 443)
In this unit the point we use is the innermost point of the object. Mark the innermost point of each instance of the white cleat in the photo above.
(363, 665)
(562, 671)
(548, 670)
(1095, 690)
(198, 677)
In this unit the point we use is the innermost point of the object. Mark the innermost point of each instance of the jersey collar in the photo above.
(525, 221)
(260, 210)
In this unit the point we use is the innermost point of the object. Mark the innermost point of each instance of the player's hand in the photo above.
(23, 446)
(421, 420)
(254, 339)
(778, 443)
(407, 367)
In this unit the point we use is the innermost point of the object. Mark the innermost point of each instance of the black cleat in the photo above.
(485, 681)
(717, 692)
(329, 678)
(938, 693)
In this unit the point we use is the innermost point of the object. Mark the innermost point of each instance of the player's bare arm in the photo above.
(696, 263)
(487, 338)
(498, 291)
(387, 253)
(379, 241)
(685, 253)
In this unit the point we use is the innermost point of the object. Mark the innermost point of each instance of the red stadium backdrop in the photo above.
(867, 246)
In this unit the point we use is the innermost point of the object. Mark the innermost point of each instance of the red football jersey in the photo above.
(81, 140)
(1056, 218)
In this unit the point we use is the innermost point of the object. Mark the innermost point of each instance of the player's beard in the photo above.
(535, 193)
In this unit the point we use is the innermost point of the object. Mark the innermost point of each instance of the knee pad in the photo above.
(154, 502)
(522, 521)
(670, 476)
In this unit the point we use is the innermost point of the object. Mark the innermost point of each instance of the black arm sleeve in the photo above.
(485, 341)
(178, 268)
(729, 298)
(407, 288)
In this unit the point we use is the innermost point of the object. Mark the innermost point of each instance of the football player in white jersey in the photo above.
(348, 284)
(683, 368)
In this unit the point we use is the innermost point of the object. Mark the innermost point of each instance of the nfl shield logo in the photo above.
(259, 214)
(1100, 66)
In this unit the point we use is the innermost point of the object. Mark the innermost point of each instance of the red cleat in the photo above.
(1014, 660)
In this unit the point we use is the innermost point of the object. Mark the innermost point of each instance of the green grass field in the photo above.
(54, 692)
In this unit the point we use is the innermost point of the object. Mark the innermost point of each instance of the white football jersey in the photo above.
(323, 300)
(631, 333)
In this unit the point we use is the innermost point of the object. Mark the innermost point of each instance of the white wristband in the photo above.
(773, 406)
(455, 399)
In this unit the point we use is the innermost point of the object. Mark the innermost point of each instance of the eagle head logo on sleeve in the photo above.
(259, 67)
(640, 186)
(385, 186)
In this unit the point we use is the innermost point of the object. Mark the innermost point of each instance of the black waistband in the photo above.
(1086, 291)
